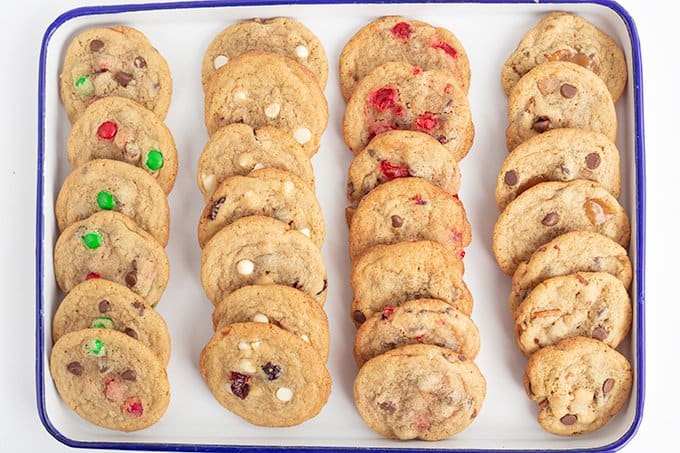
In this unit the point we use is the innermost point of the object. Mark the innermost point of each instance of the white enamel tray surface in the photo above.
(489, 33)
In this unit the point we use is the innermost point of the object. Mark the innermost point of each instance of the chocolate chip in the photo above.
(474, 414)
(139, 306)
(140, 63)
(593, 161)
(564, 170)
(599, 333)
(541, 124)
(96, 45)
(129, 375)
(134, 264)
(358, 316)
(527, 388)
(607, 385)
(75, 368)
(550, 219)
(442, 139)
(130, 333)
(103, 368)
(568, 419)
(272, 371)
(123, 78)
(104, 306)
(511, 178)
(350, 188)
(215, 208)
(131, 278)
(325, 285)
(388, 406)
(568, 91)
(397, 221)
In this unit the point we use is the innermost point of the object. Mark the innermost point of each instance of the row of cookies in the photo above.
(262, 228)
(111, 347)
(408, 123)
(562, 233)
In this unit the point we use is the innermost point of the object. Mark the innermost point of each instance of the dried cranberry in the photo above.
(425, 122)
(387, 311)
(271, 370)
(446, 48)
(239, 384)
(390, 171)
(455, 195)
(383, 99)
(461, 255)
(417, 199)
(133, 407)
(402, 31)
(416, 70)
(447, 88)
(457, 236)
(107, 130)
(419, 337)
(92, 275)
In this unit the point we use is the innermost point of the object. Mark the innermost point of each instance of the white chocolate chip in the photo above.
(302, 135)
(272, 110)
(305, 338)
(245, 267)
(260, 318)
(301, 52)
(284, 394)
(288, 187)
(250, 199)
(246, 366)
(240, 96)
(258, 166)
(209, 182)
(306, 232)
(243, 346)
(256, 344)
(220, 61)
(245, 160)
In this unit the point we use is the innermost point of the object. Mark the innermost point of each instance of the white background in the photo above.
(22, 25)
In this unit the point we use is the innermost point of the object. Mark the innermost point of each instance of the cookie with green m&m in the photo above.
(111, 246)
(110, 379)
(109, 185)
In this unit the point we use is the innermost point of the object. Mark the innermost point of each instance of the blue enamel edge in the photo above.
(639, 238)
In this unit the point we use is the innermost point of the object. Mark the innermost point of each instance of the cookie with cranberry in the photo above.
(258, 250)
(99, 303)
(389, 275)
(562, 36)
(395, 38)
(238, 149)
(580, 384)
(114, 61)
(267, 192)
(558, 95)
(110, 379)
(109, 185)
(559, 155)
(120, 129)
(550, 209)
(401, 96)
(409, 209)
(264, 374)
(419, 392)
(587, 304)
(424, 321)
(280, 35)
(576, 251)
(283, 306)
(266, 89)
(111, 246)
(398, 154)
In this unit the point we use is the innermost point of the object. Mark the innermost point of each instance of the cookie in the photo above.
(587, 304)
(402, 96)
(114, 61)
(425, 321)
(280, 35)
(109, 185)
(285, 307)
(549, 209)
(577, 251)
(110, 379)
(264, 89)
(264, 374)
(99, 303)
(565, 37)
(389, 275)
(398, 154)
(409, 209)
(557, 95)
(559, 155)
(419, 392)
(579, 384)
(268, 192)
(260, 250)
(395, 38)
(120, 129)
(111, 246)
(238, 149)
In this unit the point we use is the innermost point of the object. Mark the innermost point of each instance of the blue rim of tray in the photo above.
(639, 239)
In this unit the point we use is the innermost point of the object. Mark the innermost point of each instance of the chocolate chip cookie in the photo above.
(579, 384)
(111, 246)
(559, 155)
(395, 38)
(419, 392)
(405, 97)
(99, 303)
(110, 379)
(399, 154)
(120, 129)
(114, 61)
(557, 95)
(263, 251)
(409, 209)
(264, 374)
(562, 36)
(109, 185)
(283, 306)
(268, 192)
(238, 149)
(549, 209)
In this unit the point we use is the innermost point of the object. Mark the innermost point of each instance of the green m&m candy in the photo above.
(105, 200)
(95, 347)
(154, 160)
(102, 323)
(92, 239)
(83, 86)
